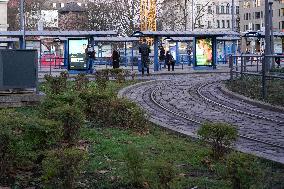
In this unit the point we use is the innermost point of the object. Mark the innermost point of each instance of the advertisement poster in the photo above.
(77, 54)
(204, 52)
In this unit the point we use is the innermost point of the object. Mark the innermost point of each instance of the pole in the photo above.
(192, 22)
(22, 24)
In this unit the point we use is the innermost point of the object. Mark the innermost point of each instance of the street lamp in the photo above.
(22, 24)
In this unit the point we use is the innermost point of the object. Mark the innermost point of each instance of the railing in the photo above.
(254, 65)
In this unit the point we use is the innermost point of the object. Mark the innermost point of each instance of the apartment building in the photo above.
(252, 18)
(3, 12)
(202, 14)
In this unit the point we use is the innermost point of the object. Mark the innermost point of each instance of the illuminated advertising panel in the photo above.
(77, 55)
(204, 52)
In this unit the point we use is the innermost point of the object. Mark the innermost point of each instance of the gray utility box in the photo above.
(18, 69)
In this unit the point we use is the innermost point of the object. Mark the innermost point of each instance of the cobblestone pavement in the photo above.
(182, 103)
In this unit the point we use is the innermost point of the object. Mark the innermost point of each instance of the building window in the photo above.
(209, 24)
(237, 10)
(228, 9)
(282, 25)
(218, 23)
(257, 27)
(217, 9)
(222, 9)
(198, 8)
(209, 10)
(223, 23)
(257, 15)
(257, 3)
(228, 24)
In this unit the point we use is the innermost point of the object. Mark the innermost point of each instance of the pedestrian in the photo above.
(115, 59)
(90, 57)
(189, 56)
(162, 55)
(169, 60)
(277, 61)
(145, 50)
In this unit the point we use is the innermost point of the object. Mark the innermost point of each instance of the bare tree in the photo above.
(200, 13)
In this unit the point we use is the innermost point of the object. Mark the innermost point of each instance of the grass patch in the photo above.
(250, 86)
(161, 152)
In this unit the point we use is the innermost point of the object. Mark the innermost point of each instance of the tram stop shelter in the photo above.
(204, 48)
(258, 38)
(112, 40)
(38, 36)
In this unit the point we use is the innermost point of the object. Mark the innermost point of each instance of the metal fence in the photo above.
(255, 65)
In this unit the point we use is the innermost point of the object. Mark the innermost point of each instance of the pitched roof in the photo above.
(71, 7)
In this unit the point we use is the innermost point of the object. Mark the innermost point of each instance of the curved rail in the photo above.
(152, 97)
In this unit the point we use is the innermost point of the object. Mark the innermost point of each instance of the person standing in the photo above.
(170, 61)
(189, 56)
(90, 55)
(162, 56)
(115, 59)
(145, 50)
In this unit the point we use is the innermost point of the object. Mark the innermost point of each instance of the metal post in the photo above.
(177, 54)
(132, 56)
(192, 9)
(156, 54)
(125, 54)
(264, 86)
(267, 34)
(22, 25)
(231, 67)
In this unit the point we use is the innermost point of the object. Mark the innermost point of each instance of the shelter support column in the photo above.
(177, 53)
(156, 54)
(66, 53)
(225, 53)
(215, 58)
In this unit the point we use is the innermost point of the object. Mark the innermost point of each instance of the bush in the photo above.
(105, 110)
(219, 135)
(134, 162)
(42, 134)
(62, 167)
(56, 85)
(72, 119)
(81, 82)
(102, 77)
(244, 171)
(165, 174)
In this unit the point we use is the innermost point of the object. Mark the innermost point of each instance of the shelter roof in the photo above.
(5, 40)
(58, 33)
(186, 39)
(195, 33)
(116, 39)
(261, 34)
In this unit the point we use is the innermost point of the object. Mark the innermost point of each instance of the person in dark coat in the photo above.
(145, 51)
(162, 55)
(170, 61)
(90, 57)
(115, 59)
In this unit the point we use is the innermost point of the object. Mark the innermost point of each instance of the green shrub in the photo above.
(219, 135)
(62, 167)
(54, 101)
(81, 82)
(134, 162)
(244, 171)
(165, 174)
(102, 77)
(56, 85)
(72, 119)
(105, 110)
(42, 134)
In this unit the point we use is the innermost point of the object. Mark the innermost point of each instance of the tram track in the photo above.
(175, 104)
(195, 121)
